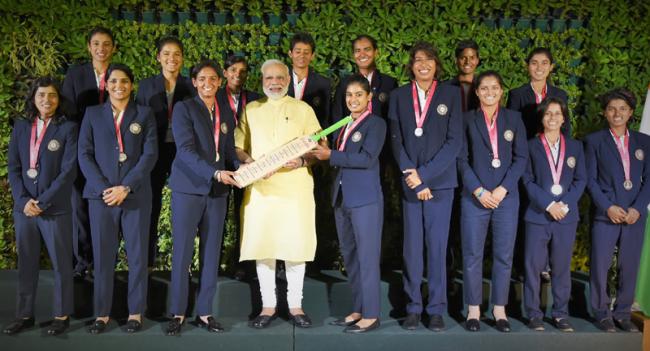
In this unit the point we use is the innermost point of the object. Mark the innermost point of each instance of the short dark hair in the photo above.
(466, 44)
(358, 78)
(31, 112)
(303, 37)
(169, 40)
(233, 59)
(372, 40)
(543, 107)
(618, 93)
(489, 73)
(119, 67)
(430, 51)
(538, 51)
(206, 63)
(100, 30)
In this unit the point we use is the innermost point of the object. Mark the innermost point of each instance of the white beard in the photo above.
(276, 96)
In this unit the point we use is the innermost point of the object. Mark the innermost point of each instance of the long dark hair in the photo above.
(31, 111)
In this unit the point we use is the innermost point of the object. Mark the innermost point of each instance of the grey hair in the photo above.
(273, 62)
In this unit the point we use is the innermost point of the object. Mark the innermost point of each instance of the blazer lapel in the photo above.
(479, 121)
(50, 133)
(635, 170)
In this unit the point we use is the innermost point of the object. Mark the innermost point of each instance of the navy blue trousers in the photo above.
(159, 175)
(540, 239)
(359, 231)
(605, 236)
(81, 237)
(426, 225)
(106, 223)
(189, 213)
(55, 231)
(475, 220)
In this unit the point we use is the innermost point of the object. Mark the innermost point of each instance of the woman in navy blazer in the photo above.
(526, 97)
(493, 160)
(161, 92)
(117, 151)
(618, 173)
(426, 135)
(200, 182)
(358, 203)
(42, 166)
(552, 213)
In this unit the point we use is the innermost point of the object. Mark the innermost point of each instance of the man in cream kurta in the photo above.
(278, 212)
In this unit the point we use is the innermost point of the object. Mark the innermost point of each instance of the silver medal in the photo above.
(556, 189)
(32, 173)
(628, 185)
(217, 158)
(418, 132)
(496, 163)
(122, 157)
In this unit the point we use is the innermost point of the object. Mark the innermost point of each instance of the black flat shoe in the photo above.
(97, 327)
(436, 323)
(503, 325)
(412, 321)
(262, 321)
(472, 325)
(301, 320)
(133, 325)
(18, 325)
(355, 329)
(174, 326)
(212, 325)
(342, 323)
(606, 325)
(536, 324)
(563, 324)
(58, 326)
(626, 325)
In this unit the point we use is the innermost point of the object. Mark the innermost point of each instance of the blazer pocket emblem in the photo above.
(135, 128)
(571, 162)
(356, 137)
(383, 97)
(639, 154)
(442, 109)
(508, 135)
(53, 145)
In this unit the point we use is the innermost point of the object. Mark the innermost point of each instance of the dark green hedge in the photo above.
(597, 45)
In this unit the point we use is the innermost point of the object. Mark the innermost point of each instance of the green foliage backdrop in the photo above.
(598, 45)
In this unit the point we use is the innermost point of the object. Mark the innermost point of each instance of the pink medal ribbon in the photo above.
(217, 125)
(539, 98)
(349, 129)
(623, 151)
(302, 92)
(494, 140)
(231, 101)
(102, 87)
(556, 173)
(421, 116)
(34, 146)
(117, 122)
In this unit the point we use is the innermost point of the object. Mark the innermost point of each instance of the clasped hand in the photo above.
(618, 215)
(114, 196)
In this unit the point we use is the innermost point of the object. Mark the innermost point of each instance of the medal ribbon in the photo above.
(420, 117)
(35, 143)
(117, 121)
(555, 172)
(349, 129)
(217, 125)
(102, 87)
(492, 132)
(302, 92)
(540, 97)
(623, 151)
(231, 101)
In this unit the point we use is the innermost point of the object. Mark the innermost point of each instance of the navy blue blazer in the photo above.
(317, 94)
(475, 160)
(194, 166)
(357, 166)
(538, 181)
(99, 151)
(57, 166)
(151, 92)
(433, 154)
(381, 87)
(522, 99)
(222, 98)
(80, 90)
(472, 101)
(605, 173)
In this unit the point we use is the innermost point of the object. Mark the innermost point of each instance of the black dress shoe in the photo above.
(18, 325)
(536, 324)
(606, 325)
(472, 325)
(412, 321)
(58, 326)
(301, 320)
(174, 326)
(133, 325)
(97, 327)
(355, 329)
(212, 325)
(342, 323)
(563, 324)
(436, 323)
(626, 325)
(503, 325)
(262, 321)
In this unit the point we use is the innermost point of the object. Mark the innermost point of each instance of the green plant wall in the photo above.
(597, 46)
